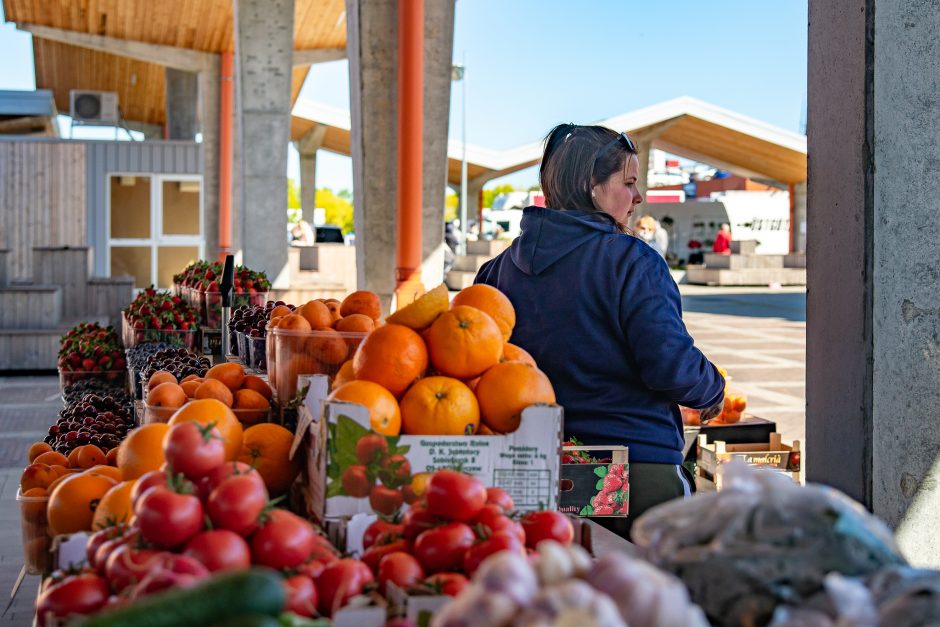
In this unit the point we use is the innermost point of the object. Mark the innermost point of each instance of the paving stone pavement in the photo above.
(758, 335)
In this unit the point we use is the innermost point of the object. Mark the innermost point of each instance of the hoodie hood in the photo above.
(549, 235)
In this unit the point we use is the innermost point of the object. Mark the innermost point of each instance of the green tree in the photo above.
(339, 210)
(451, 203)
(490, 194)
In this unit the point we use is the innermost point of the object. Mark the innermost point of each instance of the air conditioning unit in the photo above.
(93, 107)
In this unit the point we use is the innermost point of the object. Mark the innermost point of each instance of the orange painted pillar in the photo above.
(410, 148)
(226, 100)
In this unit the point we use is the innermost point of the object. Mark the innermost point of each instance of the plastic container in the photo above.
(307, 352)
(37, 540)
(240, 347)
(246, 416)
(118, 378)
(257, 353)
(209, 305)
(176, 337)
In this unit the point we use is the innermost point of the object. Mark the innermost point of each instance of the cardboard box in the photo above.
(583, 485)
(773, 455)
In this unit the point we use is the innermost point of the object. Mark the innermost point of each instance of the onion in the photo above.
(554, 564)
(508, 572)
(476, 607)
(573, 603)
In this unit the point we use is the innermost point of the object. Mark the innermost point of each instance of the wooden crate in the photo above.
(773, 455)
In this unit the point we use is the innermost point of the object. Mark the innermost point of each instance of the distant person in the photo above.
(648, 230)
(302, 234)
(723, 240)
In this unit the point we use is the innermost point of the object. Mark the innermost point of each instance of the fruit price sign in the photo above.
(367, 472)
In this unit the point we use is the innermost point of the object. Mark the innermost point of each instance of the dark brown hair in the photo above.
(571, 166)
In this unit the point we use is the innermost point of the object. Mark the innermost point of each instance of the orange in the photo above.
(328, 346)
(424, 311)
(37, 475)
(229, 373)
(484, 430)
(345, 374)
(259, 385)
(209, 410)
(248, 400)
(108, 471)
(52, 458)
(279, 311)
(392, 356)
(73, 458)
(213, 388)
(158, 377)
(439, 406)
(464, 342)
(190, 387)
(266, 447)
(490, 300)
(506, 389)
(333, 305)
(740, 403)
(73, 502)
(112, 457)
(168, 395)
(317, 314)
(384, 414)
(362, 302)
(90, 455)
(355, 323)
(36, 449)
(61, 470)
(36, 492)
(511, 352)
(293, 322)
(142, 450)
(59, 480)
(190, 377)
(115, 506)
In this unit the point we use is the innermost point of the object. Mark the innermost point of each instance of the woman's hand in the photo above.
(713, 411)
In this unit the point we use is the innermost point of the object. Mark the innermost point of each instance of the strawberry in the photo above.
(612, 483)
(88, 364)
(604, 510)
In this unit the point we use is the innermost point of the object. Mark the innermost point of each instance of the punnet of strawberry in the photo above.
(90, 347)
(160, 311)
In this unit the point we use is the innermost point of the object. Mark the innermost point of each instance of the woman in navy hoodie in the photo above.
(598, 310)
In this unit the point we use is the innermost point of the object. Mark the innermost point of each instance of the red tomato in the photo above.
(339, 582)
(314, 567)
(81, 594)
(193, 449)
(374, 554)
(220, 473)
(356, 481)
(110, 546)
(416, 520)
(498, 496)
(499, 541)
(400, 568)
(385, 500)
(442, 548)
(547, 525)
(378, 527)
(409, 494)
(168, 519)
(284, 541)
(371, 448)
(152, 479)
(219, 549)
(100, 537)
(450, 584)
(236, 503)
(491, 517)
(301, 595)
(127, 565)
(455, 496)
(396, 470)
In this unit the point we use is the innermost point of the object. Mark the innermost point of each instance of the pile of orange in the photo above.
(444, 368)
(318, 337)
(227, 383)
(734, 407)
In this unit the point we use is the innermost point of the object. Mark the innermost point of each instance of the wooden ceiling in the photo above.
(203, 25)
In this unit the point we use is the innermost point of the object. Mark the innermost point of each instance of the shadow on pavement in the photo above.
(787, 305)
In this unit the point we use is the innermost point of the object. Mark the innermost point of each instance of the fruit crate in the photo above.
(773, 455)
(116, 377)
(294, 353)
(587, 489)
(209, 305)
(175, 337)
(37, 539)
(147, 414)
(749, 429)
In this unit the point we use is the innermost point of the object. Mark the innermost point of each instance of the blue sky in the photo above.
(534, 63)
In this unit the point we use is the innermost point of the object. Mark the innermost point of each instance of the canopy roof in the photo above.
(684, 126)
(199, 25)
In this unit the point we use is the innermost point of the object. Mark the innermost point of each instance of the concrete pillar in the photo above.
(873, 359)
(372, 48)
(438, 58)
(182, 102)
(644, 147)
(264, 43)
(308, 146)
(799, 213)
(208, 88)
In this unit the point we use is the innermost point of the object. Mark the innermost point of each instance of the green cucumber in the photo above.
(228, 595)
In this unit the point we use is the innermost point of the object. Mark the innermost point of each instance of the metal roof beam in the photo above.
(169, 56)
